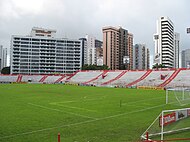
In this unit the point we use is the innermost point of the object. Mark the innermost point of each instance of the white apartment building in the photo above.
(141, 57)
(38, 54)
(3, 57)
(164, 42)
(91, 50)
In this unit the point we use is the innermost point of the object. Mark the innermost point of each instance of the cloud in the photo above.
(23, 7)
(76, 18)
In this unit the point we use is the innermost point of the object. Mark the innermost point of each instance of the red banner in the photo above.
(168, 119)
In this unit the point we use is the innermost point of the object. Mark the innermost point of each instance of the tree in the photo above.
(157, 66)
(5, 70)
(94, 67)
(162, 66)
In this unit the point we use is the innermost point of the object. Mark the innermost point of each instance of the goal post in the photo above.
(180, 96)
(170, 124)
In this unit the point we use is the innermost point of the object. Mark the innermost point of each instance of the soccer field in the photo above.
(38, 112)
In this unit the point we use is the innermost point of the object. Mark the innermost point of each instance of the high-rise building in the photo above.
(117, 48)
(91, 50)
(185, 58)
(164, 43)
(130, 50)
(99, 52)
(44, 54)
(141, 57)
(98, 43)
(83, 51)
(3, 57)
(176, 49)
(99, 55)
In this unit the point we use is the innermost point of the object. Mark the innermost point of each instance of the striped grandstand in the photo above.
(111, 78)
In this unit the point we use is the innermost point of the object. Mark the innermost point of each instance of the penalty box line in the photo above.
(80, 100)
(83, 122)
(53, 109)
(57, 104)
(135, 102)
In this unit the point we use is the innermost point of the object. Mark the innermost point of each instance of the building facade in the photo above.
(83, 51)
(99, 54)
(98, 43)
(176, 49)
(3, 57)
(164, 43)
(41, 32)
(185, 58)
(44, 54)
(141, 57)
(117, 48)
(130, 50)
(91, 50)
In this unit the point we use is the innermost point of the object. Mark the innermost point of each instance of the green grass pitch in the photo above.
(38, 112)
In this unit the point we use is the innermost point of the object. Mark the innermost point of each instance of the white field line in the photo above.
(135, 102)
(129, 103)
(79, 123)
(81, 100)
(79, 108)
(48, 108)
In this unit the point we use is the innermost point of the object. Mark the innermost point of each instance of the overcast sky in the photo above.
(76, 18)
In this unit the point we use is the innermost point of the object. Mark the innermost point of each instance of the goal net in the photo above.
(170, 124)
(178, 96)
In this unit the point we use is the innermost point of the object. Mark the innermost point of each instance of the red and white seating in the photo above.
(160, 78)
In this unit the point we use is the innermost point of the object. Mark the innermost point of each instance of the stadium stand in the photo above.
(31, 78)
(43, 78)
(103, 74)
(175, 73)
(120, 78)
(155, 78)
(8, 78)
(72, 75)
(19, 78)
(84, 76)
(51, 79)
(116, 78)
(128, 77)
(181, 79)
(106, 77)
(140, 79)
(60, 79)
